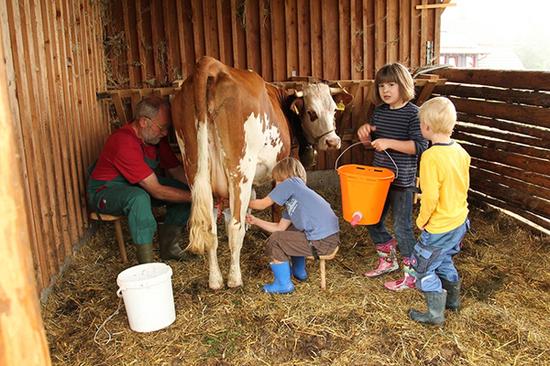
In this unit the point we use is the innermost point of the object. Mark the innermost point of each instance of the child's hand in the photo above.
(364, 133)
(251, 219)
(381, 144)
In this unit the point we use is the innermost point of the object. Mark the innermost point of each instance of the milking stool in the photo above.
(118, 231)
(322, 269)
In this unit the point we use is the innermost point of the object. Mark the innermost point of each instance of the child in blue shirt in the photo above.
(308, 226)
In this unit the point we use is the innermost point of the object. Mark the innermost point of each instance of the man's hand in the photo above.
(164, 193)
(365, 133)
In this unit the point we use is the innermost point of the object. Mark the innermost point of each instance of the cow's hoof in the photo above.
(216, 285)
(233, 284)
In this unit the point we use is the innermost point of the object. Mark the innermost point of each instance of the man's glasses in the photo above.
(161, 128)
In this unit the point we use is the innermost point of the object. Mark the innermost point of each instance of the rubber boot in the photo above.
(436, 308)
(387, 260)
(299, 268)
(281, 282)
(408, 280)
(453, 294)
(144, 253)
(169, 236)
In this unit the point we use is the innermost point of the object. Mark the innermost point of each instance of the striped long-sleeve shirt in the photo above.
(399, 124)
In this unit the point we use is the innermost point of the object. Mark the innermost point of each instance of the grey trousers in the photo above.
(282, 245)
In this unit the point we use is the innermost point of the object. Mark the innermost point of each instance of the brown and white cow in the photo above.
(232, 128)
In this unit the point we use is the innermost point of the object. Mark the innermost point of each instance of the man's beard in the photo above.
(149, 138)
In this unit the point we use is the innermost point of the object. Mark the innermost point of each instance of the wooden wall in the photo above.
(504, 123)
(153, 42)
(54, 66)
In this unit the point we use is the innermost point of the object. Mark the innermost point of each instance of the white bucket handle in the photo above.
(119, 292)
(366, 147)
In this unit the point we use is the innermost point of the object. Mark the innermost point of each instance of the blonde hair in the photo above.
(440, 114)
(394, 73)
(289, 167)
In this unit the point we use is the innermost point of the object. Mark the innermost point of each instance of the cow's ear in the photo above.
(297, 105)
(342, 98)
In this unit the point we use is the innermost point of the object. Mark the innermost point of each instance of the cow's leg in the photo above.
(215, 279)
(239, 199)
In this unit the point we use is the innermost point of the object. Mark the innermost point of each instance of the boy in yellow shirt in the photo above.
(443, 217)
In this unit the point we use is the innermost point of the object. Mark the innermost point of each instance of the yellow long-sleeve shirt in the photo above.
(444, 181)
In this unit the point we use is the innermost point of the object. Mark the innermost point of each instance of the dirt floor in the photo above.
(504, 320)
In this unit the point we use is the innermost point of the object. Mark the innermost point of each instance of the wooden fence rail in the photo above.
(504, 123)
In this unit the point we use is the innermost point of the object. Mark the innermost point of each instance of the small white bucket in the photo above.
(147, 293)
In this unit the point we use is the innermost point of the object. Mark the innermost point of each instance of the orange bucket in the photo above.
(364, 190)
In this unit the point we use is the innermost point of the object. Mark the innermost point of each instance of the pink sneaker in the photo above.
(405, 283)
(385, 265)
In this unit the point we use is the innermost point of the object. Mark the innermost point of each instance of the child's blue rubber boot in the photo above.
(281, 282)
(299, 268)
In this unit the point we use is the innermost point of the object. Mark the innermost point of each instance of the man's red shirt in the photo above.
(124, 154)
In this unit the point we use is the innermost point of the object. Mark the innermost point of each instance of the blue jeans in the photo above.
(433, 258)
(401, 203)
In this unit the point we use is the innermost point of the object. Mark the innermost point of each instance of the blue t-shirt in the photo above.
(307, 210)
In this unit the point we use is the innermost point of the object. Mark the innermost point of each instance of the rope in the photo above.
(357, 143)
(102, 326)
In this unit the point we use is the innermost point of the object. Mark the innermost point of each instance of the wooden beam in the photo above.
(434, 6)
(22, 335)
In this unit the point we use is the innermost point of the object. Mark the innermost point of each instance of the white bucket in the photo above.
(147, 293)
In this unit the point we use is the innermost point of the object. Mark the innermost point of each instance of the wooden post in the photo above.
(22, 336)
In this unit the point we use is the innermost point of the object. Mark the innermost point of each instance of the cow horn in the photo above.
(299, 93)
(337, 91)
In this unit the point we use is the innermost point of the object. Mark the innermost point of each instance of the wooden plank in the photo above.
(369, 50)
(304, 39)
(525, 114)
(434, 6)
(526, 163)
(392, 31)
(518, 184)
(437, 33)
(265, 40)
(278, 40)
(223, 15)
(63, 189)
(239, 37)
(505, 136)
(510, 96)
(142, 52)
(512, 172)
(253, 51)
(344, 32)
(512, 208)
(172, 41)
(512, 196)
(210, 28)
(503, 145)
(71, 118)
(425, 92)
(22, 335)
(424, 24)
(185, 37)
(119, 107)
(331, 59)
(380, 34)
(415, 35)
(6, 21)
(535, 80)
(404, 32)
(357, 64)
(158, 42)
(510, 126)
(128, 10)
(291, 28)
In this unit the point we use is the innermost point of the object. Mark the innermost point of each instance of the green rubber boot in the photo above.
(453, 294)
(169, 237)
(436, 309)
(144, 253)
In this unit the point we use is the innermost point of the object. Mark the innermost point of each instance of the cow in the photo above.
(232, 127)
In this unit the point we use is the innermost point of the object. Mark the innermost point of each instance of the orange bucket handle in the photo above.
(357, 143)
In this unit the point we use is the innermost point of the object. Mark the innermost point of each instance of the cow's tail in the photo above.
(202, 220)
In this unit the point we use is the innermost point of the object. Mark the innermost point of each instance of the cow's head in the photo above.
(316, 104)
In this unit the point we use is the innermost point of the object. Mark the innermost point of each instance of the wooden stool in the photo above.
(322, 259)
(118, 231)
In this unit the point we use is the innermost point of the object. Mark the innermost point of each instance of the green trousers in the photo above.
(121, 198)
